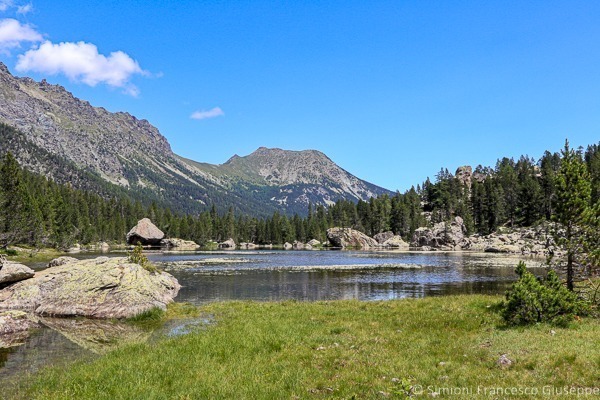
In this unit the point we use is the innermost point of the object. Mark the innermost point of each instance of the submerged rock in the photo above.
(346, 237)
(14, 272)
(146, 233)
(97, 288)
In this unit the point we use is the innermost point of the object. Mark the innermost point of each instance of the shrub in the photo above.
(137, 257)
(532, 300)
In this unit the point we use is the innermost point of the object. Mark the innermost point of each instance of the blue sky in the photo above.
(390, 90)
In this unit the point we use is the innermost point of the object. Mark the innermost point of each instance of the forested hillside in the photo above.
(39, 212)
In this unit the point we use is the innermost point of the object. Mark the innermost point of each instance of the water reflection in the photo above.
(313, 276)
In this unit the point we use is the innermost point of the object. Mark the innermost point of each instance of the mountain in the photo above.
(53, 133)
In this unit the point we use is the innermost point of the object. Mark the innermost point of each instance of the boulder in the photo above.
(57, 262)
(14, 328)
(180, 244)
(13, 272)
(247, 246)
(346, 237)
(383, 236)
(443, 235)
(287, 246)
(104, 247)
(229, 244)
(314, 242)
(298, 245)
(97, 288)
(396, 242)
(146, 233)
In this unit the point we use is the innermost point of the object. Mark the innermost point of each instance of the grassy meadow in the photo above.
(432, 347)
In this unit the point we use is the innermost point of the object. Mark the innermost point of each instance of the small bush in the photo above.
(531, 300)
(137, 257)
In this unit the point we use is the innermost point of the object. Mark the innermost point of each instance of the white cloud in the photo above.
(25, 8)
(212, 113)
(13, 33)
(81, 62)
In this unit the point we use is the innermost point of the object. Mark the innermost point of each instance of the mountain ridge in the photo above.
(132, 154)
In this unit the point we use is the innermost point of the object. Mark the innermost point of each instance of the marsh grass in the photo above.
(339, 349)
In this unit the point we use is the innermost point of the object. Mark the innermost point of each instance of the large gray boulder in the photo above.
(443, 235)
(13, 272)
(383, 236)
(346, 237)
(98, 288)
(146, 233)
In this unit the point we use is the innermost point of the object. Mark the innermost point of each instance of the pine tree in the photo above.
(573, 195)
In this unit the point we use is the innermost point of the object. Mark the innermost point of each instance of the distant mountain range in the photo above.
(69, 140)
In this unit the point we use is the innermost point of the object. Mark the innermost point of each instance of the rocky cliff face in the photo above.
(52, 127)
(90, 136)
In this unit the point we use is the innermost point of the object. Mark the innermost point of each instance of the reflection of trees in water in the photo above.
(356, 284)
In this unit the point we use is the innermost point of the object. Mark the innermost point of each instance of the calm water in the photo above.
(329, 275)
(271, 275)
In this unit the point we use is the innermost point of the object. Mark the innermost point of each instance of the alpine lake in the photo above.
(266, 275)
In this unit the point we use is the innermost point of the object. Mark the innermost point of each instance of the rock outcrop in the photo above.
(14, 328)
(229, 244)
(383, 236)
(464, 175)
(146, 233)
(346, 237)
(98, 288)
(535, 241)
(442, 236)
(13, 272)
(179, 244)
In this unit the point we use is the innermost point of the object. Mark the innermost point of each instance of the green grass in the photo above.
(340, 349)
